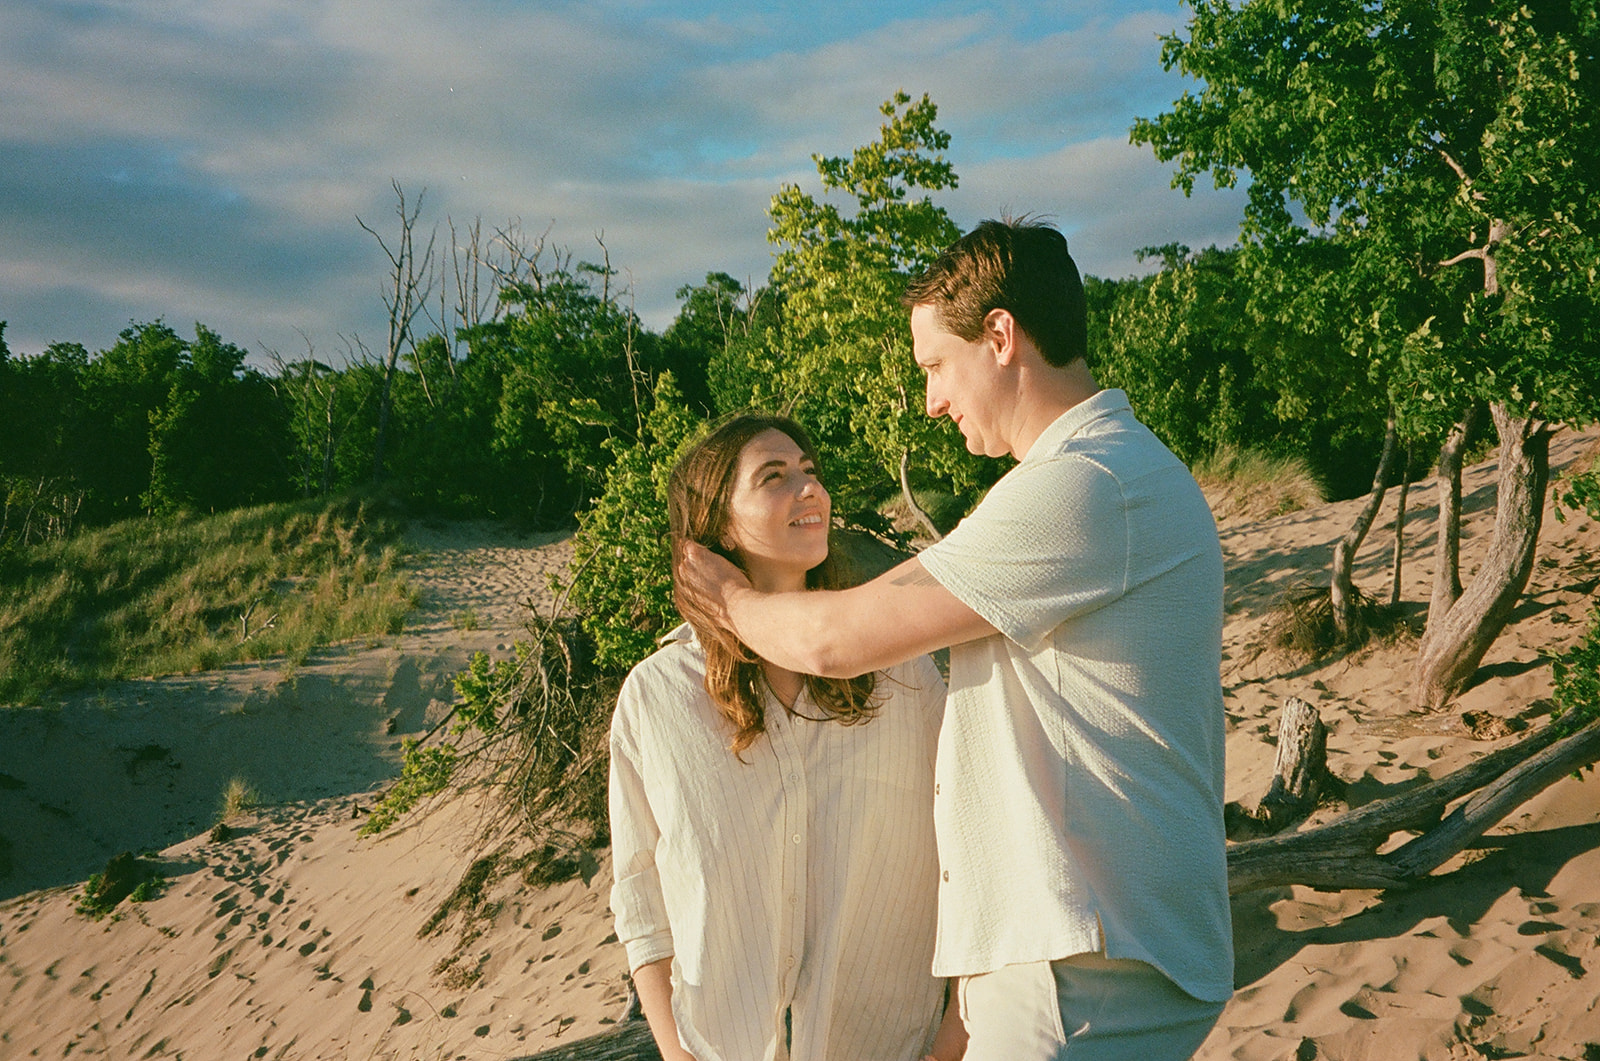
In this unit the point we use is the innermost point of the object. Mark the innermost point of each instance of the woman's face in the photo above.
(778, 513)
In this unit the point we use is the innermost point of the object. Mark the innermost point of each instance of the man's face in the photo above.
(961, 381)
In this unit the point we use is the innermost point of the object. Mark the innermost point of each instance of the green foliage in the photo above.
(1576, 680)
(124, 876)
(423, 771)
(842, 354)
(1425, 141)
(621, 577)
(171, 594)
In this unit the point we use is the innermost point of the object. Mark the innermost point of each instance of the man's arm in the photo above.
(835, 634)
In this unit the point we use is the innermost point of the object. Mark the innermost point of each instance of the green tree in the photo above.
(220, 438)
(1451, 150)
(843, 345)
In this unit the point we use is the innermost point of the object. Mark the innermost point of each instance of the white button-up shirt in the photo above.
(1081, 767)
(802, 880)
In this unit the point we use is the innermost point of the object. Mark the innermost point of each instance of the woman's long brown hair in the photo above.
(698, 495)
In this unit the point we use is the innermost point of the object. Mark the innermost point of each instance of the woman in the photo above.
(772, 832)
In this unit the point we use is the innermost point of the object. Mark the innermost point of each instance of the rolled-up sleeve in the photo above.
(636, 898)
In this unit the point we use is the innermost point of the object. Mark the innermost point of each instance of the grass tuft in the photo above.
(1302, 624)
(181, 593)
(238, 798)
(1248, 484)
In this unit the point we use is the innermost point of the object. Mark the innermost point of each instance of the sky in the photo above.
(207, 160)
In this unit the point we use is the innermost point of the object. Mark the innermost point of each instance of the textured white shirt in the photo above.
(803, 878)
(1080, 771)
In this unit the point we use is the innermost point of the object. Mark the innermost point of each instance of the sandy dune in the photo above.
(295, 938)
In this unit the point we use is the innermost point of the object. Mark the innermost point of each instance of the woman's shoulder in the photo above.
(679, 662)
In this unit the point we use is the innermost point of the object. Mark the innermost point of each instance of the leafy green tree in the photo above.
(123, 387)
(559, 377)
(714, 317)
(1451, 150)
(220, 438)
(842, 349)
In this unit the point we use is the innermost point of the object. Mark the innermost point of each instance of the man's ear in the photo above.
(1000, 328)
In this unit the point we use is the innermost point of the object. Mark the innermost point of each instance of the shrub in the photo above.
(621, 582)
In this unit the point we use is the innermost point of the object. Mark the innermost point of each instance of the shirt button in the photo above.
(793, 899)
(797, 838)
(946, 876)
(789, 961)
(935, 788)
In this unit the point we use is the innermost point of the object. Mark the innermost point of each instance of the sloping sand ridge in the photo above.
(295, 938)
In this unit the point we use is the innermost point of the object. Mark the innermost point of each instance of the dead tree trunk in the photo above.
(1347, 621)
(1343, 853)
(1454, 642)
(1300, 775)
(410, 283)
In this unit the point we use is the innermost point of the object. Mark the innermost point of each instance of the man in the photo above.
(1078, 804)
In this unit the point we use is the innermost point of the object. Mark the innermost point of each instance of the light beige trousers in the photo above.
(1084, 1008)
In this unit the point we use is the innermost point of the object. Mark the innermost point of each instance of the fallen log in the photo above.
(627, 1041)
(1343, 853)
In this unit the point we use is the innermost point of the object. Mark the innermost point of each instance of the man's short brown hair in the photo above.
(1021, 266)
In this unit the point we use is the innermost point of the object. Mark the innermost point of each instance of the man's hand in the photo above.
(705, 579)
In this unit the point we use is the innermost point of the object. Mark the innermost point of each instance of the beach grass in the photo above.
(1250, 484)
(184, 593)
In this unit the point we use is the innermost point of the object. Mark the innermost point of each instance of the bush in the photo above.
(621, 582)
(125, 876)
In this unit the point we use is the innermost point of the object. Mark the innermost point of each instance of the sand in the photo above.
(297, 938)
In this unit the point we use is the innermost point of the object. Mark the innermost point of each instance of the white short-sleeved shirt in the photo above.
(1080, 773)
(802, 879)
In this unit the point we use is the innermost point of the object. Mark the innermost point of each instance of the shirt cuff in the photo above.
(647, 949)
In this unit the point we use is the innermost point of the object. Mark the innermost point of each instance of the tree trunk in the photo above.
(1346, 617)
(1447, 550)
(1400, 530)
(1454, 643)
(917, 511)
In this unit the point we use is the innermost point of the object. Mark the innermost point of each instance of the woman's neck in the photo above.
(786, 684)
(775, 579)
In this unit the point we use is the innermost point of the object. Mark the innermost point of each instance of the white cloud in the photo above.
(202, 160)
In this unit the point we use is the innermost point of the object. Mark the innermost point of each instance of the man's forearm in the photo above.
(843, 633)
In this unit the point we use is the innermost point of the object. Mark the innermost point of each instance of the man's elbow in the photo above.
(828, 651)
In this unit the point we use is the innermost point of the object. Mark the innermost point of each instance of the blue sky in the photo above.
(207, 159)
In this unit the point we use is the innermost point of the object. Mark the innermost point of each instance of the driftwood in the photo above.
(1343, 853)
(1300, 776)
(628, 1041)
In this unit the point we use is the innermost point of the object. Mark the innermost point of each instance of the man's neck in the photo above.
(1046, 392)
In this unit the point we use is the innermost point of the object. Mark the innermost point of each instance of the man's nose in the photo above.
(936, 405)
